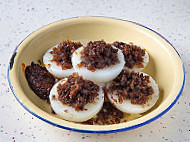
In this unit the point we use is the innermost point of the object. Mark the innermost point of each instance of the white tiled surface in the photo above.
(20, 18)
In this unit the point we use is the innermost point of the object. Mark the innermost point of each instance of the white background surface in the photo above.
(20, 18)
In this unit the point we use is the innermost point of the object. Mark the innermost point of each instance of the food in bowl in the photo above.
(133, 92)
(57, 59)
(76, 99)
(165, 66)
(39, 80)
(136, 57)
(79, 96)
(98, 61)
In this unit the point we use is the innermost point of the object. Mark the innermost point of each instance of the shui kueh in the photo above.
(93, 82)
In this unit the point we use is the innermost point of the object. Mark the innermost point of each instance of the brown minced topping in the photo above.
(39, 80)
(107, 115)
(133, 86)
(62, 54)
(77, 92)
(97, 55)
(132, 53)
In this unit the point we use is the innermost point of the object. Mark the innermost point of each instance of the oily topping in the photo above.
(133, 86)
(97, 55)
(107, 115)
(62, 54)
(77, 92)
(132, 53)
(39, 80)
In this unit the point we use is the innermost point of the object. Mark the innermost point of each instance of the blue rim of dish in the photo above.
(103, 131)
